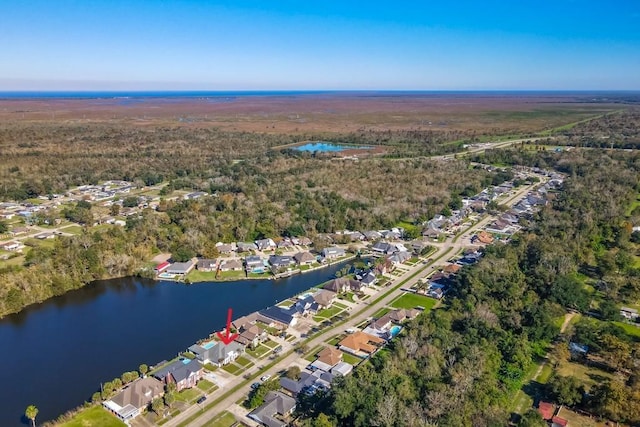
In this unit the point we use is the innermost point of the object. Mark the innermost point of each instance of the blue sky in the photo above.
(270, 45)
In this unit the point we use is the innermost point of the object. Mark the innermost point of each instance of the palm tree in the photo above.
(31, 412)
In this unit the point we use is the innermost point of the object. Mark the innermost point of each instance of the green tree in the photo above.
(322, 420)
(532, 418)
(130, 202)
(114, 210)
(565, 390)
(169, 398)
(293, 372)
(143, 369)
(31, 413)
(157, 405)
(3, 227)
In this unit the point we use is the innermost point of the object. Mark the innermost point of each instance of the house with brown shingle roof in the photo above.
(130, 402)
(484, 237)
(324, 297)
(360, 342)
(451, 268)
(304, 258)
(330, 355)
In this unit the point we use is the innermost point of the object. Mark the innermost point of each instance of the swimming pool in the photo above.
(395, 330)
(209, 344)
(327, 147)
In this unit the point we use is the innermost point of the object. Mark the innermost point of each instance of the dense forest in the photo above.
(462, 364)
(277, 193)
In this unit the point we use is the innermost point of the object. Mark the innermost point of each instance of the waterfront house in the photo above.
(181, 268)
(285, 316)
(304, 258)
(284, 243)
(368, 279)
(218, 354)
(399, 257)
(276, 406)
(207, 265)
(360, 343)
(162, 267)
(265, 244)
(251, 335)
(279, 262)
(183, 373)
(332, 252)
(230, 265)
(134, 398)
(343, 284)
(382, 248)
(372, 235)
(324, 298)
(254, 264)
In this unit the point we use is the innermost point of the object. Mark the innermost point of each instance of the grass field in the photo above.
(96, 416)
(201, 276)
(206, 386)
(413, 300)
(351, 359)
(243, 361)
(259, 351)
(631, 330)
(188, 395)
(224, 419)
(232, 369)
(588, 375)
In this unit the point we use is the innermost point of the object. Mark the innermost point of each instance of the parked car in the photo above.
(265, 378)
(201, 399)
(255, 385)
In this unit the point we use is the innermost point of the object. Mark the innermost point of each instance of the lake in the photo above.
(55, 354)
(327, 147)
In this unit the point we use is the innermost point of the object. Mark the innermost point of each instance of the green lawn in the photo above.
(631, 330)
(269, 329)
(259, 352)
(243, 361)
(74, 229)
(335, 340)
(414, 300)
(206, 386)
(588, 375)
(347, 297)
(270, 344)
(378, 314)
(328, 313)
(224, 419)
(342, 306)
(311, 356)
(210, 367)
(351, 359)
(201, 276)
(188, 395)
(228, 275)
(96, 416)
(232, 369)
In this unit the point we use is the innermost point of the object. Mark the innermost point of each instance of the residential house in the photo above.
(500, 226)
(399, 257)
(451, 268)
(285, 316)
(382, 248)
(183, 375)
(435, 292)
(360, 343)
(254, 264)
(134, 398)
(372, 235)
(393, 234)
(181, 268)
(224, 248)
(284, 243)
(309, 382)
(275, 405)
(342, 368)
(194, 195)
(629, 313)
(279, 262)
(332, 252)
(251, 335)
(207, 265)
(304, 258)
(546, 410)
(218, 354)
(12, 246)
(245, 321)
(265, 244)
(304, 241)
(328, 357)
(18, 230)
(230, 265)
(368, 279)
(246, 246)
(484, 237)
(383, 267)
(162, 267)
(324, 298)
(420, 245)
(343, 284)
(46, 235)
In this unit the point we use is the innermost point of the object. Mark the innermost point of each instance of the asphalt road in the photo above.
(443, 253)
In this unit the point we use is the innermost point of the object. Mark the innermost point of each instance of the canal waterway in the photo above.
(55, 354)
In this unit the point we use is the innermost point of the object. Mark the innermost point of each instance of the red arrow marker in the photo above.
(228, 337)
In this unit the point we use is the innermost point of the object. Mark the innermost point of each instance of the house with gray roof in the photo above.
(134, 398)
(285, 316)
(181, 268)
(218, 354)
(332, 252)
(183, 373)
(343, 284)
(278, 262)
(254, 264)
(383, 248)
(399, 257)
(265, 244)
(246, 246)
(207, 265)
(276, 406)
(308, 382)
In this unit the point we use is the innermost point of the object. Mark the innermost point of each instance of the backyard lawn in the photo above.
(413, 300)
(96, 416)
(631, 330)
(201, 276)
(351, 359)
